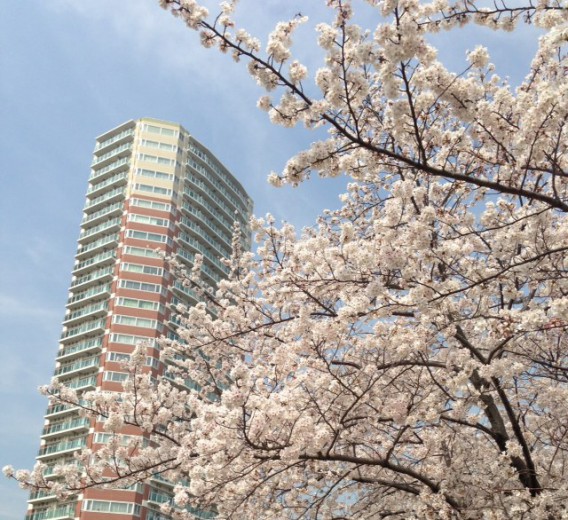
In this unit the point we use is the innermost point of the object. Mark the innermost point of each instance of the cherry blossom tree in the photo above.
(407, 356)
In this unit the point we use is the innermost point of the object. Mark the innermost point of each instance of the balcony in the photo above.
(102, 173)
(94, 292)
(185, 292)
(41, 496)
(80, 348)
(190, 241)
(155, 515)
(119, 152)
(59, 409)
(64, 446)
(203, 220)
(224, 179)
(89, 311)
(160, 498)
(221, 187)
(76, 367)
(108, 211)
(66, 512)
(63, 428)
(96, 277)
(218, 202)
(82, 384)
(49, 471)
(212, 242)
(122, 136)
(103, 258)
(156, 499)
(105, 242)
(212, 210)
(98, 202)
(188, 259)
(99, 188)
(103, 228)
(91, 327)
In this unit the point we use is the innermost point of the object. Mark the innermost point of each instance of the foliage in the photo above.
(407, 357)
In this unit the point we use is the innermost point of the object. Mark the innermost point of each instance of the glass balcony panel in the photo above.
(95, 190)
(106, 226)
(86, 328)
(82, 383)
(78, 366)
(90, 263)
(107, 211)
(65, 427)
(93, 310)
(100, 244)
(223, 177)
(190, 241)
(106, 158)
(215, 207)
(94, 292)
(114, 139)
(100, 173)
(80, 348)
(107, 198)
(61, 447)
(54, 513)
(95, 277)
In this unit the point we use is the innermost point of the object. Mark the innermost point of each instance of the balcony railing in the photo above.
(59, 409)
(66, 426)
(114, 139)
(229, 212)
(160, 498)
(196, 197)
(49, 470)
(80, 348)
(96, 175)
(82, 383)
(114, 152)
(105, 184)
(54, 513)
(93, 292)
(185, 290)
(221, 187)
(218, 233)
(100, 309)
(101, 228)
(105, 257)
(188, 257)
(227, 181)
(62, 446)
(106, 198)
(84, 329)
(108, 210)
(196, 228)
(41, 495)
(77, 366)
(101, 243)
(94, 277)
(184, 237)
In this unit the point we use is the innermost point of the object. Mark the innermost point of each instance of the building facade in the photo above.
(152, 187)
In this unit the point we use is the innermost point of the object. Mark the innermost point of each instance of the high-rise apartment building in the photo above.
(152, 187)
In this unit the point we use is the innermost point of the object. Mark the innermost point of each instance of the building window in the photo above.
(143, 269)
(141, 251)
(153, 189)
(129, 339)
(106, 506)
(139, 304)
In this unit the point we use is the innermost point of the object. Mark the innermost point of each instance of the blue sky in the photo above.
(69, 71)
